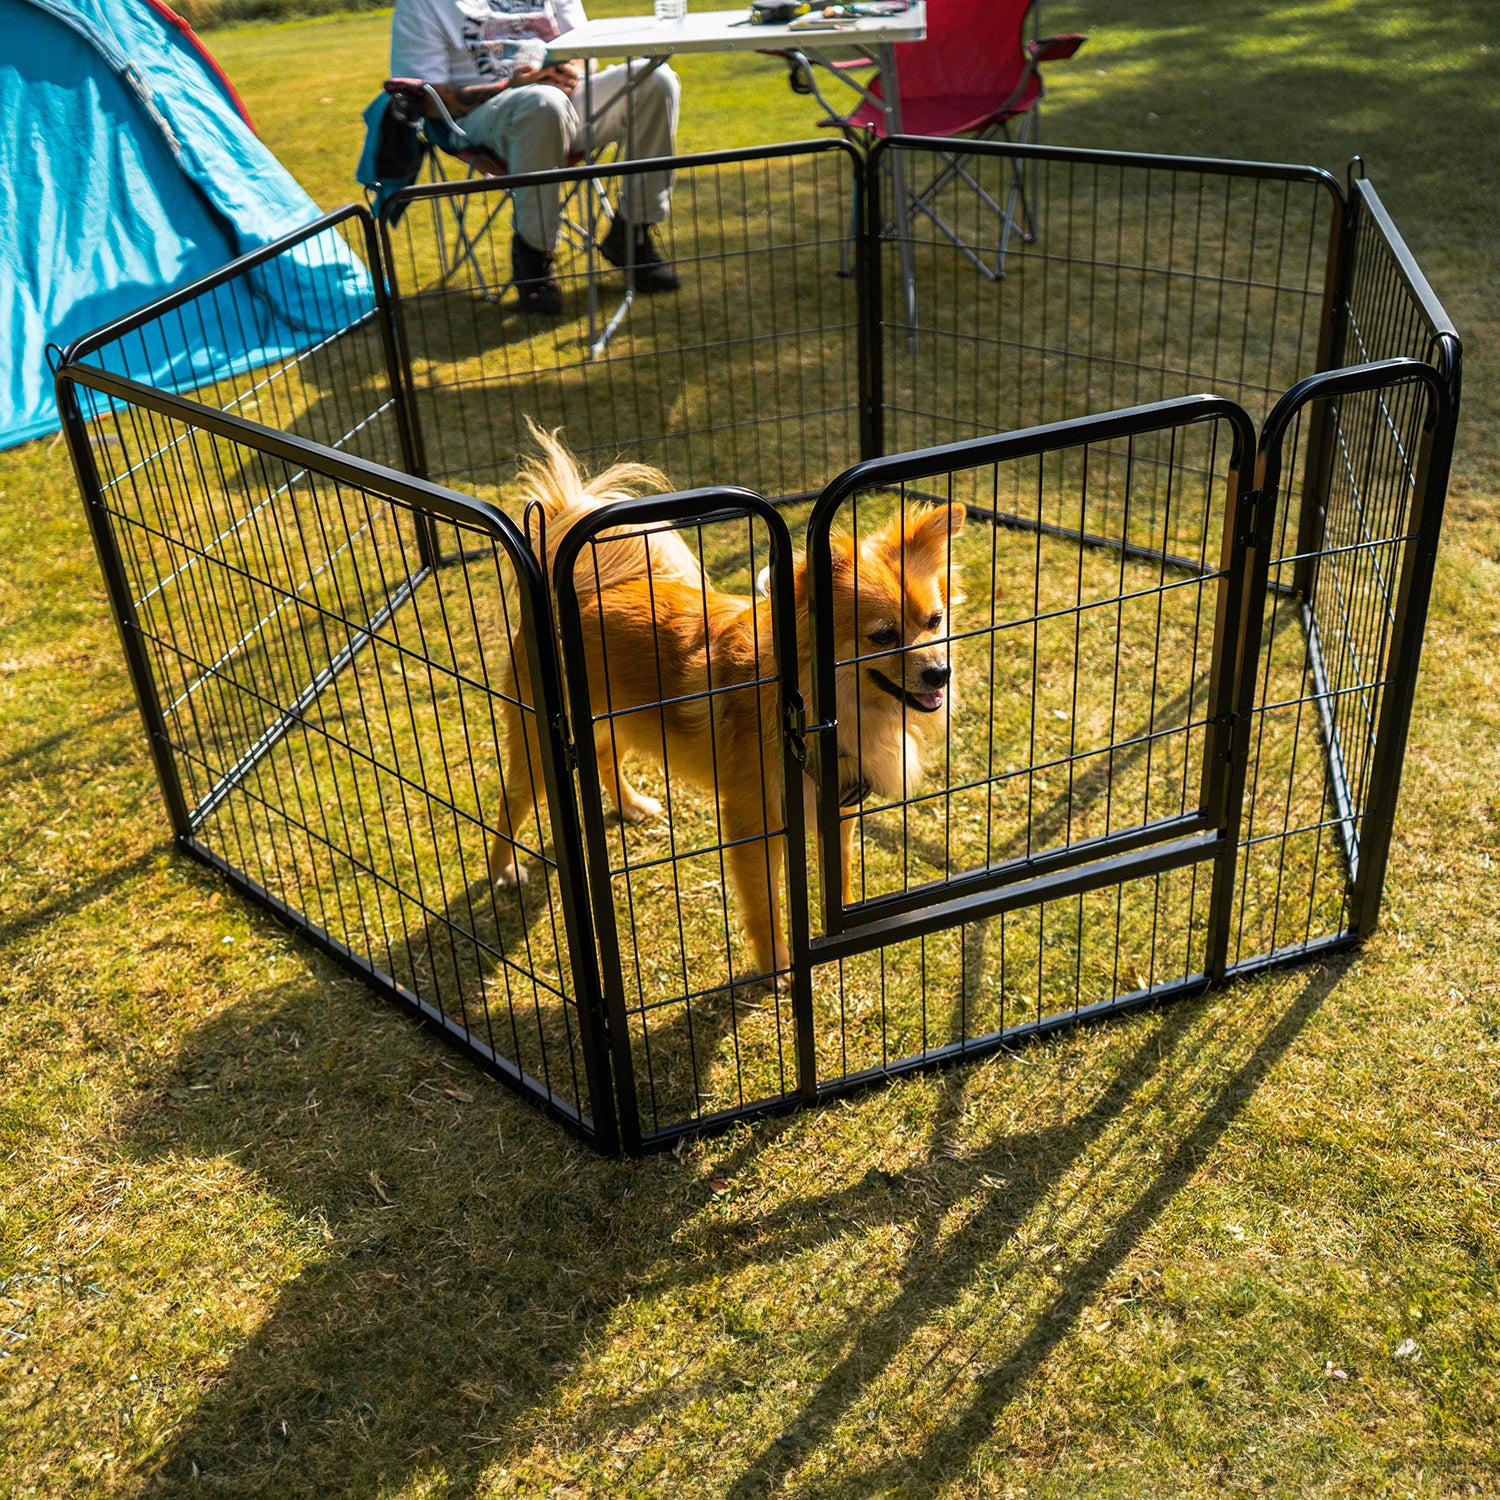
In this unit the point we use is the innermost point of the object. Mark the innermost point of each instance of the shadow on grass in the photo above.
(1318, 83)
(496, 961)
(43, 913)
(34, 751)
(936, 1275)
(481, 1267)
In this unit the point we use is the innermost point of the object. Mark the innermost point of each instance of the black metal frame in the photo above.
(1328, 511)
(697, 508)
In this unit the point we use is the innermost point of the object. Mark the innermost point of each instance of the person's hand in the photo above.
(564, 75)
(522, 76)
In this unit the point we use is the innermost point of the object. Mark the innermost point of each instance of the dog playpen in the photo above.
(1183, 662)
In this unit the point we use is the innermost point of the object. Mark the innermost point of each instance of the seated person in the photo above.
(485, 60)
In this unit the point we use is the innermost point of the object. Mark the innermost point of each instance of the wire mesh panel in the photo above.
(1391, 311)
(296, 335)
(1125, 279)
(326, 711)
(1017, 971)
(748, 373)
(1322, 673)
(679, 674)
(1022, 644)
(1361, 460)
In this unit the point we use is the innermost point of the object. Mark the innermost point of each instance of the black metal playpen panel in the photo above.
(1179, 631)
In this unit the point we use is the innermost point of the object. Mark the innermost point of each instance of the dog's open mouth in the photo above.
(924, 703)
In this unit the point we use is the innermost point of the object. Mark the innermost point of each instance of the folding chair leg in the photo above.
(584, 233)
(1015, 216)
(451, 258)
(598, 345)
(1017, 198)
(467, 247)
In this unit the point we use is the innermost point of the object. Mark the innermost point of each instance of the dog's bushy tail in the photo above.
(566, 496)
(560, 485)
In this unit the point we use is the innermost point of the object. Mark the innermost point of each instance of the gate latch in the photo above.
(796, 728)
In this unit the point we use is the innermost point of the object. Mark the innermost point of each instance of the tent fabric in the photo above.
(171, 17)
(127, 170)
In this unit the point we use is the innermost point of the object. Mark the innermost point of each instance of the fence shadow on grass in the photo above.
(939, 1276)
(483, 1276)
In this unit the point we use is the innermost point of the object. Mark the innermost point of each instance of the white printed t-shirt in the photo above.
(460, 42)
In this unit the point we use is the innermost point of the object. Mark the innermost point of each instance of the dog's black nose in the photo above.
(935, 677)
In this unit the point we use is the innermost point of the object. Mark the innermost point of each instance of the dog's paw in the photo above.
(753, 994)
(508, 876)
(642, 808)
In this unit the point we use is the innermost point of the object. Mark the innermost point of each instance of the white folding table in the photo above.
(729, 31)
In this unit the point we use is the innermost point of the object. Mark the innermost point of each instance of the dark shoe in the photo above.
(531, 271)
(635, 246)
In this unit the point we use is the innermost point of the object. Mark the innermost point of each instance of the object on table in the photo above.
(777, 12)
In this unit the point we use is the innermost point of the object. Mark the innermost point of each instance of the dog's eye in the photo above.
(887, 635)
(935, 621)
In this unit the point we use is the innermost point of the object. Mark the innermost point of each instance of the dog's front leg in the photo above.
(520, 795)
(846, 837)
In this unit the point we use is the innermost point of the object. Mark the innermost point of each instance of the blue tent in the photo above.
(127, 169)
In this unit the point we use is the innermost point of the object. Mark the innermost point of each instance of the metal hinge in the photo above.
(794, 725)
(1224, 736)
(560, 736)
(1247, 518)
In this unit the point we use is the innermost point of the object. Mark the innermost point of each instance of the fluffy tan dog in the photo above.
(658, 635)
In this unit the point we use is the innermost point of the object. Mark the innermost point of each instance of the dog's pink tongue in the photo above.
(930, 701)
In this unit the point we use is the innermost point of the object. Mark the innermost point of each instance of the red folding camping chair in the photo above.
(975, 76)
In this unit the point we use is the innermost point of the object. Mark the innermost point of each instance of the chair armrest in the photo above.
(1044, 49)
(407, 91)
(839, 65)
(421, 100)
(1055, 48)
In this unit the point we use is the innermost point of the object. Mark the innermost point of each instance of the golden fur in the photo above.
(658, 633)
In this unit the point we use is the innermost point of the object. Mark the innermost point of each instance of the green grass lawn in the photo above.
(259, 1236)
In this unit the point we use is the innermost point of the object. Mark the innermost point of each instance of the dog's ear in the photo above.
(928, 532)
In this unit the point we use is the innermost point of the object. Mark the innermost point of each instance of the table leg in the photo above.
(891, 98)
(591, 216)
